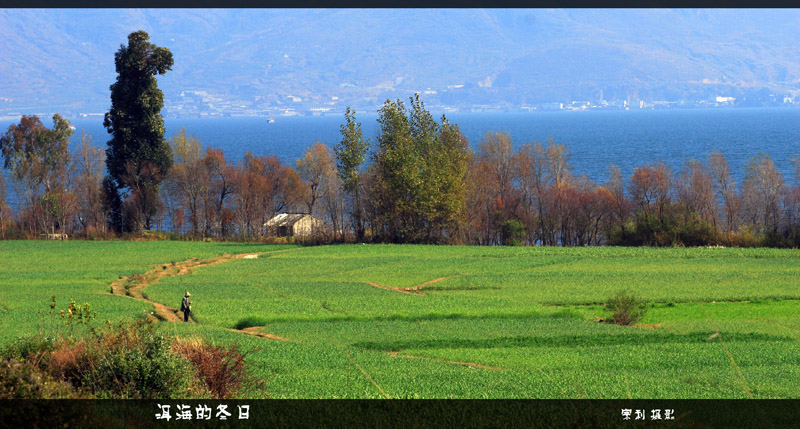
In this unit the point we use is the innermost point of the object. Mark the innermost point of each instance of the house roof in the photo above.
(286, 219)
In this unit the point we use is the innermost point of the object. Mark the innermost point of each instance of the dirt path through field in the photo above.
(133, 286)
(414, 290)
(398, 289)
(469, 364)
(256, 332)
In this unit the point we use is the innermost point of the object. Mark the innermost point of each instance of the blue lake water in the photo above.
(594, 139)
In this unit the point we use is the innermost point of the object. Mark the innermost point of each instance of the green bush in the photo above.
(24, 380)
(27, 348)
(696, 232)
(125, 361)
(674, 228)
(626, 308)
(513, 232)
(622, 234)
(134, 361)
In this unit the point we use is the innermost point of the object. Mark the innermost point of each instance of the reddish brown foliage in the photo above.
(221, 368)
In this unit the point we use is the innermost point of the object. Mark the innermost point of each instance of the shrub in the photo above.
(67, 361)
(674, 228)
(27, 348)
(221, 368)
(126, 361)
(129, 361)
(14, 231)
(134, 361)
(622, 234)
(24, 380)
(696, 232)
(20, 380)
(626, 308)
(513, 232)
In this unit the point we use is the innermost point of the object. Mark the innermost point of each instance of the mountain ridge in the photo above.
(266, 57)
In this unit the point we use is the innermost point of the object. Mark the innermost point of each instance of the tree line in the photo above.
(418, 182)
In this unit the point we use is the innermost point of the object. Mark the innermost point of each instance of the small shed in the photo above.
(299, 225)
(54, 236)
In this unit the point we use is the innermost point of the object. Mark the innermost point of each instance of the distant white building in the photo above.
(299, 225)
(552, 106)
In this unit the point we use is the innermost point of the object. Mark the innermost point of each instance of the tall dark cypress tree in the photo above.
(138, 156)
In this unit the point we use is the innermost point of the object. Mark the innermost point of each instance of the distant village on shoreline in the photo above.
(202, 104)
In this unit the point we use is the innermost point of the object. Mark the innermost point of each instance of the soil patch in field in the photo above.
(414, 290)
(469, 364)
(256, 332)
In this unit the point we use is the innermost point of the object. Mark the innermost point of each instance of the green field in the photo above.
(503, 323)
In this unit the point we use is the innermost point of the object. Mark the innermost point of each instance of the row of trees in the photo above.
(419, 182)
(531, 196)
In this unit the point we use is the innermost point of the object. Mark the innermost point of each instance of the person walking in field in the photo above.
(186, 306)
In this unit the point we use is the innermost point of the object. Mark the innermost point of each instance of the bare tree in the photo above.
(263, 187)
(649, 188)
(561, 184)
(792, 208)
(557, 163)
(220, 188)
(725, 188)
(5, 211)
(479, 203)
(188, 179)
(88, 167)
(590, 205)
(694, 188)
(620, 205)
(314, 169)
(496, 151)
(334, 199)
(143, 205)
(246, 185)
(529, 172)
(762, 191)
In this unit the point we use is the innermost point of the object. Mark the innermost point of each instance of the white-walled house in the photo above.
(299, 225)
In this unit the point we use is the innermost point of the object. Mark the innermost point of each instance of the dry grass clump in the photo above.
(221, 368)
(67, 360)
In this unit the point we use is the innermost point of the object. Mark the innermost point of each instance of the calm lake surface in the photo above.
(594, 139)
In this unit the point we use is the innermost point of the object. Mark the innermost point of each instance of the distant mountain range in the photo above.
(61, 59)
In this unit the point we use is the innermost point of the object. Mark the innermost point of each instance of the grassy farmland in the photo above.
(463, 322)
